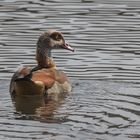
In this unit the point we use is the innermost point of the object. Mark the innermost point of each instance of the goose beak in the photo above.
(67, 47)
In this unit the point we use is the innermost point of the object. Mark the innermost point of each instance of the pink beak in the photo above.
(68, 47)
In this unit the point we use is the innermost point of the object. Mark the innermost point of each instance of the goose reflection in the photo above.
(38, 106)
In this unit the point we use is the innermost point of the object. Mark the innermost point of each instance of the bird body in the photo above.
(45, 78)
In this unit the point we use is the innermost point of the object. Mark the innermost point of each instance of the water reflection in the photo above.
(28, 104)
(38, 107)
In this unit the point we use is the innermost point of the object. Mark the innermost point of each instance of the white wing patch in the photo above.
(58, 89)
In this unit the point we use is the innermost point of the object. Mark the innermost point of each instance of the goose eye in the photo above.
(56, 37)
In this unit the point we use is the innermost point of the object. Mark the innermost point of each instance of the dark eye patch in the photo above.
(56, 36)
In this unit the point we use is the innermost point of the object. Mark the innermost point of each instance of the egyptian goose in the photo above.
(45, 78)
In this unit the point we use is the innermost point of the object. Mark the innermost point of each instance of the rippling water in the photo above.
(104, 69)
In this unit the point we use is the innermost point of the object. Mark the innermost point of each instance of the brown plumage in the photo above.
(44, 78)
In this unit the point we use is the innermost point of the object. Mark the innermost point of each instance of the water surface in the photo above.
(104, 69)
